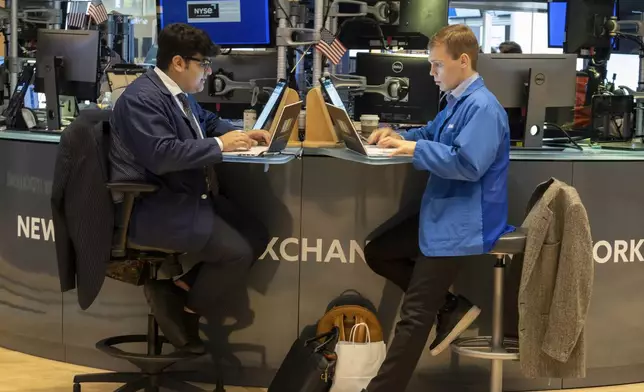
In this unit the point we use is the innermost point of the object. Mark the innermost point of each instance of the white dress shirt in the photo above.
(175, 90)
(461, 88)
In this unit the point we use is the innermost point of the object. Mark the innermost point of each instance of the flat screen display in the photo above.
(557, 23)
(463, 13)
(229, 23)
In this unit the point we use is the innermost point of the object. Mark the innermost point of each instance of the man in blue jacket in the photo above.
(160, 135)
(463, 211)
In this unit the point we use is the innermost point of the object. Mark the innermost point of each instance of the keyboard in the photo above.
(375, 151)
(253, 152)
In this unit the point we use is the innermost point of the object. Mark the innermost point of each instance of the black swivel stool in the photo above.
(495, 347)
(153, 363)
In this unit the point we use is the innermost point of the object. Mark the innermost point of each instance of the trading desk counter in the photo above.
(320, 210)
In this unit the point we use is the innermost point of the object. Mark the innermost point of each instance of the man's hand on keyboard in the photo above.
(403, 147)
(236, 141)
(260, 136)
(382, 133)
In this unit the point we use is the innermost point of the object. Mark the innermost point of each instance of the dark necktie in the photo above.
(211, 176)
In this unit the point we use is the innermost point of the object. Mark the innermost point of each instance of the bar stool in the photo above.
(495, 347)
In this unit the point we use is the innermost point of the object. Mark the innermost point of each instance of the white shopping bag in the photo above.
(357, 363)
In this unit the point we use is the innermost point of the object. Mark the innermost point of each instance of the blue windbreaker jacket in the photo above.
(466, 149)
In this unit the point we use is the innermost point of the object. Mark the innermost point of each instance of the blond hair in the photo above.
(458, 39)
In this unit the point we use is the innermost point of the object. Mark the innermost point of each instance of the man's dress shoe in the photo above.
(167, 302)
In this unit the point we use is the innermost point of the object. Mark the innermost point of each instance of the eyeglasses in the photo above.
(203, 63)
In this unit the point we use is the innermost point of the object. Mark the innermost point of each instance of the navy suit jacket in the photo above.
(152, 141)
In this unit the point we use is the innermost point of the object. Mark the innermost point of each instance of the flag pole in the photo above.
(13, 48)
(317, 56)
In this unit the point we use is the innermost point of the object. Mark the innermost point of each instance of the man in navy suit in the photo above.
(160, 135)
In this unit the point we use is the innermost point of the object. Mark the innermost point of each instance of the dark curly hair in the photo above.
(510, 47)
(180, 39)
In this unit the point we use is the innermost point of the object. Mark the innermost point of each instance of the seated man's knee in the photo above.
(259, 245)
(246, 256)
(371, 256)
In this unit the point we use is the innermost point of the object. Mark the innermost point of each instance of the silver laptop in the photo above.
(286, 119)
(347, 132)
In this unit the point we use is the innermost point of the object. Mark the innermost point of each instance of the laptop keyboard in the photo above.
(253, 152)
(376, 151)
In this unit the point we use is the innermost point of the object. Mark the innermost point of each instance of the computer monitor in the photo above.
(418, 21)
(230, 23)
(557, 23)
(330, 93)
(271, 106)
(585, 25)
(463, 13)
(239, 67)
(422, 102)
(531, 82)
(66, 64)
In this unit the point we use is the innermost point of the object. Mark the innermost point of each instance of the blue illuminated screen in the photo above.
(273, 101)
(332, 92)
(557, 23)
(227, 22)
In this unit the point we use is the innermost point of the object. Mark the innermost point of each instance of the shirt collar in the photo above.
(461, 88)
(170, 84)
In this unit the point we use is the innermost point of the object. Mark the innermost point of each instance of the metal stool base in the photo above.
(481, 348)
(495, 348)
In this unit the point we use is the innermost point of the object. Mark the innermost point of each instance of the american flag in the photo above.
(330, 46)
(97, 11)
(77, 15)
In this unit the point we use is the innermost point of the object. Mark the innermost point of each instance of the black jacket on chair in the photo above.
(82, 208)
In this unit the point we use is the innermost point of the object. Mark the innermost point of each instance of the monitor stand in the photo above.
(52, 67)
(536, 109)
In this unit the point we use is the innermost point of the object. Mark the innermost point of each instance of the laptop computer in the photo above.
(286, 119)
(347, 132)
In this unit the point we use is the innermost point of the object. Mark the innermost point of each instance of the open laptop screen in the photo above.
(271, 105)
(331, 92)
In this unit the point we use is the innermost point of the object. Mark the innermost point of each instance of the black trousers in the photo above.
(236, 242)
(396, 256)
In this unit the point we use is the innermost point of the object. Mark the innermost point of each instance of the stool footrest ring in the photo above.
(108, 347)
(481, 348)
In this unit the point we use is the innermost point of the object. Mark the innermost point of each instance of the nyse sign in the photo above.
(203, 11)
(619, 251)
(36, 228)
(294, 249)
(213, 11)
(348, 252)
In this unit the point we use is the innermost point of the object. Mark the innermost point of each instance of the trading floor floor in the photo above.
(24, 373)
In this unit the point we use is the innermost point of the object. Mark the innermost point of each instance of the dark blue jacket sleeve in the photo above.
(213, 125)
(152, 139)
(472, 152)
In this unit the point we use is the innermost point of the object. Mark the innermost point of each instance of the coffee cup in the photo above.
(368, 124)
